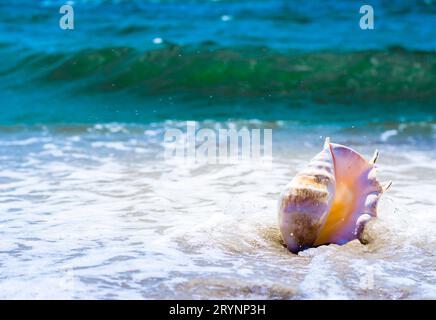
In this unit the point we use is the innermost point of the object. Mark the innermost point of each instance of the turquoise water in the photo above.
(88, 207)
(216, 60)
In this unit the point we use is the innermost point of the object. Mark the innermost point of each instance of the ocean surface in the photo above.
(89, 208)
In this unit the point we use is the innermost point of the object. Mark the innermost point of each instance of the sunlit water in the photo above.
(93, 211)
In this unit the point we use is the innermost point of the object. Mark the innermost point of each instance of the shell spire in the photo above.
(331, 200)
(305, 202)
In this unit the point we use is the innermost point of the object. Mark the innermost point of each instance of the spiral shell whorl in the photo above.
(305, 201)
(329, 201)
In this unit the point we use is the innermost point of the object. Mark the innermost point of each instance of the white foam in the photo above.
(97, 214)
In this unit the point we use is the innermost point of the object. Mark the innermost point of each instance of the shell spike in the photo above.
(387, 186)
(326, 142)
(374, 157)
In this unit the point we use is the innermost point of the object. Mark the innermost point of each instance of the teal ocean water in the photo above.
(88, 207)
(141, 61)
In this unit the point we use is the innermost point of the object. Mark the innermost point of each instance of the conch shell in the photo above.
(331, 200)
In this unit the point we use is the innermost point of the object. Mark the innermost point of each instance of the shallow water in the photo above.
(93, 211)
(88, 207)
